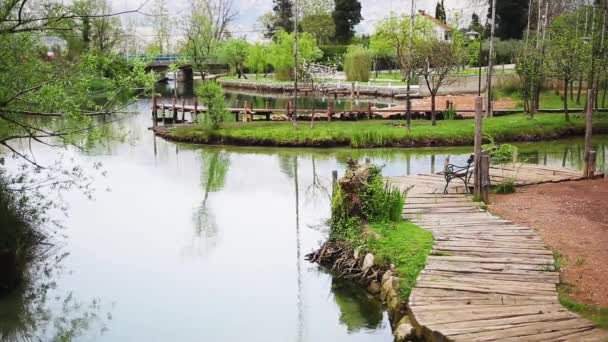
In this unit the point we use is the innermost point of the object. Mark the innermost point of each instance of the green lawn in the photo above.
(548, 99)
(406, 246)
(382, 133)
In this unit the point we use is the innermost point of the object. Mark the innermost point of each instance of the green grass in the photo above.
(548, 99)
(598, 315)
(386, 133)
(406, 246)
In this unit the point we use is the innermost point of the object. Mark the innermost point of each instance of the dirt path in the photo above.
(572, 218)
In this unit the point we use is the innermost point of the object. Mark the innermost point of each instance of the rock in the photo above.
(404, 332)
(396, 281)
(392, 302)
(387, 286)
(374, 287)
(386, 276)
(368, 262)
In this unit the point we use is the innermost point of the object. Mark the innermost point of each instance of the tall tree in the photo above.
(440, 11)
(283, 15)
(321, 26)
(511, 18)
(162, 26)
(347, 14)
(205, 27)
(234, 53)
(106, 31)
(565, 54)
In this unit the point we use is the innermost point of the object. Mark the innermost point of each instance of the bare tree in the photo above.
(436, 60)
(205, 28)
(162, 26)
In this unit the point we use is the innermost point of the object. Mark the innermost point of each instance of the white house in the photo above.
(442, 30)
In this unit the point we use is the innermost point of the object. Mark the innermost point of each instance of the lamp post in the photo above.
(473, 36)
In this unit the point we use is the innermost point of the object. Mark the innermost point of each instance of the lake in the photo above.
(203, 243)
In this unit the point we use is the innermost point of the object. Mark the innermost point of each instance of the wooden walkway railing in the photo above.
(487, 279)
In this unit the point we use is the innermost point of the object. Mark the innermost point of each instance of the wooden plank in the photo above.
(491, 279)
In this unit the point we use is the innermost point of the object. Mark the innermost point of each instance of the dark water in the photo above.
(207, 243)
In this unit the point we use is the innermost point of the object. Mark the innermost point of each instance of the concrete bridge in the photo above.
(185, 71)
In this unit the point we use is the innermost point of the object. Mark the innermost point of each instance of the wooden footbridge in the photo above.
(487, 279)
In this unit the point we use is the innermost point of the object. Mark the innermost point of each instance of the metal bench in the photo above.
(464, 173)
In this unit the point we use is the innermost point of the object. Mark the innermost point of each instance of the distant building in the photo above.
(442, 30)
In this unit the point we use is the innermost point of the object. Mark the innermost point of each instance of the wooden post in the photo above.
(484, 170)
(288, 109)
(477, 145)
(163, 109)
(245, 107)
(266, 104)
(251, 111)
(358, 90)
(183, 109)
(174, 110)
(330, 110)
(369, 111)
(195, 113)
(154, 111)
(588, 132)
(352, 90)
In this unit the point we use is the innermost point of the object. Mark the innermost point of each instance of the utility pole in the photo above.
(295, 64)
(490, 60)
(410, 70)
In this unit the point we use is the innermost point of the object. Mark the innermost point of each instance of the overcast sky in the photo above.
(249, 11)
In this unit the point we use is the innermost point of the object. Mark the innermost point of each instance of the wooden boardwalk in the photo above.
(487, 279)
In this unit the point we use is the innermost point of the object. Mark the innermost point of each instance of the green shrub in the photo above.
(357, 64)
(507, 186)
(376, 200)
(500, 153)
(449, 114)
(213, 98)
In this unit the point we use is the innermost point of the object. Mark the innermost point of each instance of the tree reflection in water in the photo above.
(35, 312)
(215, 165)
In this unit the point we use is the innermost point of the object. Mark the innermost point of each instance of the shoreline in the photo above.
(166, 133)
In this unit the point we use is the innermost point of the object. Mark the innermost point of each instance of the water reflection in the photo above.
(203, 243)
(40, 312)
(358, 310)
(214, 167)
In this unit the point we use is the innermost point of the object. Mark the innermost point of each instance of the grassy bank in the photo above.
(405, 245)
(376, 133)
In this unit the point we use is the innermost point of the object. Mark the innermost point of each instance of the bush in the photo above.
(449, 114)
(368, 200)
(357, 64)
(20, 235)
(213, 99)
(505, 187)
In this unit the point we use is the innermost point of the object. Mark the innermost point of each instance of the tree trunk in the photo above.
(566, 99)
(604, 95)
(433, 122)
(580, 87)
(571, 90)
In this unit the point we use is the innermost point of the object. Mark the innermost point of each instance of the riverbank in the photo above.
(370, 243)
(392, 133)
(569, 217)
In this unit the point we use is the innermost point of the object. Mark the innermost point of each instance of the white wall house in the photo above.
(442, 30)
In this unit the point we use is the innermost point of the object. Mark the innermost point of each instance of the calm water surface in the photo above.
(207, 243)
